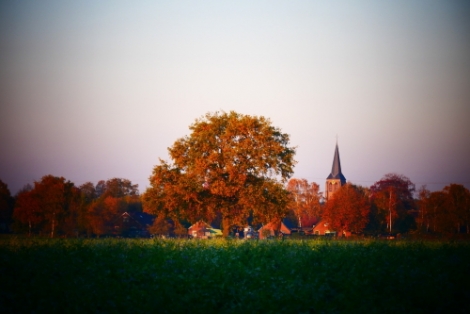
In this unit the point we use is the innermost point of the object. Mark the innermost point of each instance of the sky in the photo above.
(93, 90)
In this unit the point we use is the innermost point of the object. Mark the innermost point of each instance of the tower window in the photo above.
(330, 187)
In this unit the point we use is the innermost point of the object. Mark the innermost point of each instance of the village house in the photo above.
(133, 224)
(202, 230)
(273, 229)
(322, 228)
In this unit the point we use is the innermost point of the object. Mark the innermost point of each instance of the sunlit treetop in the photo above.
(231, 164)
(234, 146)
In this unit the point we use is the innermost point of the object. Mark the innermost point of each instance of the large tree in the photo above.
(459, 205)
(446, 211)
(442, 220)
(392, 198)
(27, 212)
(103, 203)
(425, 215)
(50, 206)
(118, 187)
(52, 194)
(305, 199)
(231, 164)
(6, 207)
(349, 209)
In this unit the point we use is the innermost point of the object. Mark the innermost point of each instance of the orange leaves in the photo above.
(28, 210)
(223, 166)
(446, 211)
(114, 205)
(349, 209)
(305, 198)
(393, 198)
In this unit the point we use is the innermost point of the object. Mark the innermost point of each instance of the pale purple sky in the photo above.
(92, 90)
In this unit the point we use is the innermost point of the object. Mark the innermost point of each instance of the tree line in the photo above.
(389, 206)
(55, 206)
(232, 169)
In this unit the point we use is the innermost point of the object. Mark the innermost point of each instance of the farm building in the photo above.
(322, 228)
(133, 224)
(202, 230)
(274, 228)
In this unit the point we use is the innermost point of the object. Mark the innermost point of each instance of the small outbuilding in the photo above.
(274, 229)
(322, 228)
(203, 230)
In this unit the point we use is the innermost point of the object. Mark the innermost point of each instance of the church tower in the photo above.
(336, 178)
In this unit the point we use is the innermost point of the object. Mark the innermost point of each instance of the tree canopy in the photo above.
(305, 199)
(45, 207)
(349, 209)
(56, 206)
(6, 207)
(231, 164)
(446, 211)
(392, 198)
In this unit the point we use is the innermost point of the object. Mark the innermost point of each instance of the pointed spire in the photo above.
(336, 168)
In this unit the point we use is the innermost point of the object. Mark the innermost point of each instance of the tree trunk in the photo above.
(53, 225)
(225, 226)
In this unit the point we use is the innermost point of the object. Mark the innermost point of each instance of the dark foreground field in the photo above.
(221, 276)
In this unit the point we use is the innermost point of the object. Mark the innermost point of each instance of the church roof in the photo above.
(336, 169)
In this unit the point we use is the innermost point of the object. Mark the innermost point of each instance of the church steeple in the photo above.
(336, 178)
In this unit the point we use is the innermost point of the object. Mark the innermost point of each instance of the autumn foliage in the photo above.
(6, 207)
(392, 199)
(229, 165)
(305, 199)
(348, 210)
(55, 206)
(446, 211)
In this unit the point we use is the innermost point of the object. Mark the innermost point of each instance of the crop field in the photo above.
(230, 276)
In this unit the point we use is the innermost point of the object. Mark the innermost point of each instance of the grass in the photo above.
(229, 276)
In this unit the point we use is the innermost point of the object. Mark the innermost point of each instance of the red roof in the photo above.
(308, 222)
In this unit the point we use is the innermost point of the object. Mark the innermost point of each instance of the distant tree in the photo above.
(459, 206)
(161, 226)
(98, 218)
(102, 212)
(47, 206)
(424, 217)
(446, 211)
(348, 210)
(27, 212)
(71, 224)
(392, 197)
(305, 198)
(51, 192)
(100, 205)
(88, 195)
(100, 188)
(442, 220)
(88, 192)
(115, 205)
(118, 187)
(229, 165)
(6, 207)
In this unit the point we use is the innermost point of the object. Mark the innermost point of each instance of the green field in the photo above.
(229, 276)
